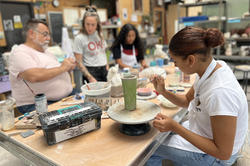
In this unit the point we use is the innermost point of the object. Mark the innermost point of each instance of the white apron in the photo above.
(129, 60)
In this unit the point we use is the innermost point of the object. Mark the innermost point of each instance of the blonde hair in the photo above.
(91, 11)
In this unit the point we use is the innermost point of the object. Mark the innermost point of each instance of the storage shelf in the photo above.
(103, 27)
(202, 3)
(232, 57)
(229, 20)
(110, 26)
(202, 22)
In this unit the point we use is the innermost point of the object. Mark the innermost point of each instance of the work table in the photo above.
(105, 146)
(102, 147)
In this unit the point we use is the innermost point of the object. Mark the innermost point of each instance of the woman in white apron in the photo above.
(128, 49)
(218, 111)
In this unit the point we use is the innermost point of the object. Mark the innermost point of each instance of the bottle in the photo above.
(186, 78)
(179, 73)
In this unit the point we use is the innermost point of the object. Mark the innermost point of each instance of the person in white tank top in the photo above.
(218, 111)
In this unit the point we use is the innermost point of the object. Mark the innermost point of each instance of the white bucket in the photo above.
(97, 89)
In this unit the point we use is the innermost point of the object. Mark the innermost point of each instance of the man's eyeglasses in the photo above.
(45, 34)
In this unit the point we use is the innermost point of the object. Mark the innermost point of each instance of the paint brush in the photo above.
(29, 88)
(87, 85)
(159, 75)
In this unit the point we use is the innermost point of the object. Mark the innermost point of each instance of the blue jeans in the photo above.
(31, 107)
(186, 158)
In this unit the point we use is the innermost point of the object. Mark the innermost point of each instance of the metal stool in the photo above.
(245, 69)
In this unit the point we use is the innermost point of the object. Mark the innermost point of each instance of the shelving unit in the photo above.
(203, 4)
(219, 23)
(222, 17)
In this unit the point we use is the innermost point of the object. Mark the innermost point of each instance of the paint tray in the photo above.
(69, 122)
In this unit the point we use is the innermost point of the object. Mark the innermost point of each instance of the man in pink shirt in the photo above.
(34, 69)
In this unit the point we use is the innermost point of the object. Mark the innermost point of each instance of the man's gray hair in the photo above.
(32, 24)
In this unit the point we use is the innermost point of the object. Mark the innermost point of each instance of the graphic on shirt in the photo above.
(92, 46)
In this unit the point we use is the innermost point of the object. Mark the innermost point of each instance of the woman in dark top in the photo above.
(127, 48)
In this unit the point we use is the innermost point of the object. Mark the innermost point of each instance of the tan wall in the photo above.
(128, 4)
(47, 6)
(172, 15)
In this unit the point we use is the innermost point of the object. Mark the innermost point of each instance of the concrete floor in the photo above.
(7, 159)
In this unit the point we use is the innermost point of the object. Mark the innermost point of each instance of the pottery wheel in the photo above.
(145, 111)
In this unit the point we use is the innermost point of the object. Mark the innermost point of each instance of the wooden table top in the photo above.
(102, 147)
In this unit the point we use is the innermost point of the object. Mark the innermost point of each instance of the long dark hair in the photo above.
(121, 39)
(91, 11)
(195, 40)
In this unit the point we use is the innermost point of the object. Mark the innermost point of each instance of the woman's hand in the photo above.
(159, 83)
(163, 123)
(107, 67)
(92, 79)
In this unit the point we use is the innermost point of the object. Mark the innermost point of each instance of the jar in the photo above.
(7, 118)
(41, 103)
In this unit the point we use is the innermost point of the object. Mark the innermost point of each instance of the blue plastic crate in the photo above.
(193, 19)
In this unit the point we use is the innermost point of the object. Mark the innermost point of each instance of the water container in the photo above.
(7, 118)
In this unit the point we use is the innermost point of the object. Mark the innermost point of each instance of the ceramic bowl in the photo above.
(97, 89)
(144, 91)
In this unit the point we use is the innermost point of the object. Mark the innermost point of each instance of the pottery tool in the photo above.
(29, 88)
(87, 85)
(159, 75)
(67, 98)
(71, 103)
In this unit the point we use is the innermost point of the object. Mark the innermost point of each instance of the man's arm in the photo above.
(43, 74)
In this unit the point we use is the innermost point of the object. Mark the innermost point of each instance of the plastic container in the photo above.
(66, 123)
(7, 118)
(193, 18)
(160, 62)
(98, 89)
(173, 79)
(179, 73)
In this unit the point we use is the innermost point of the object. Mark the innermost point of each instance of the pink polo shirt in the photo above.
(23, 58)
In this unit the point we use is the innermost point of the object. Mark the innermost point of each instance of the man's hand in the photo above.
(68, 64)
